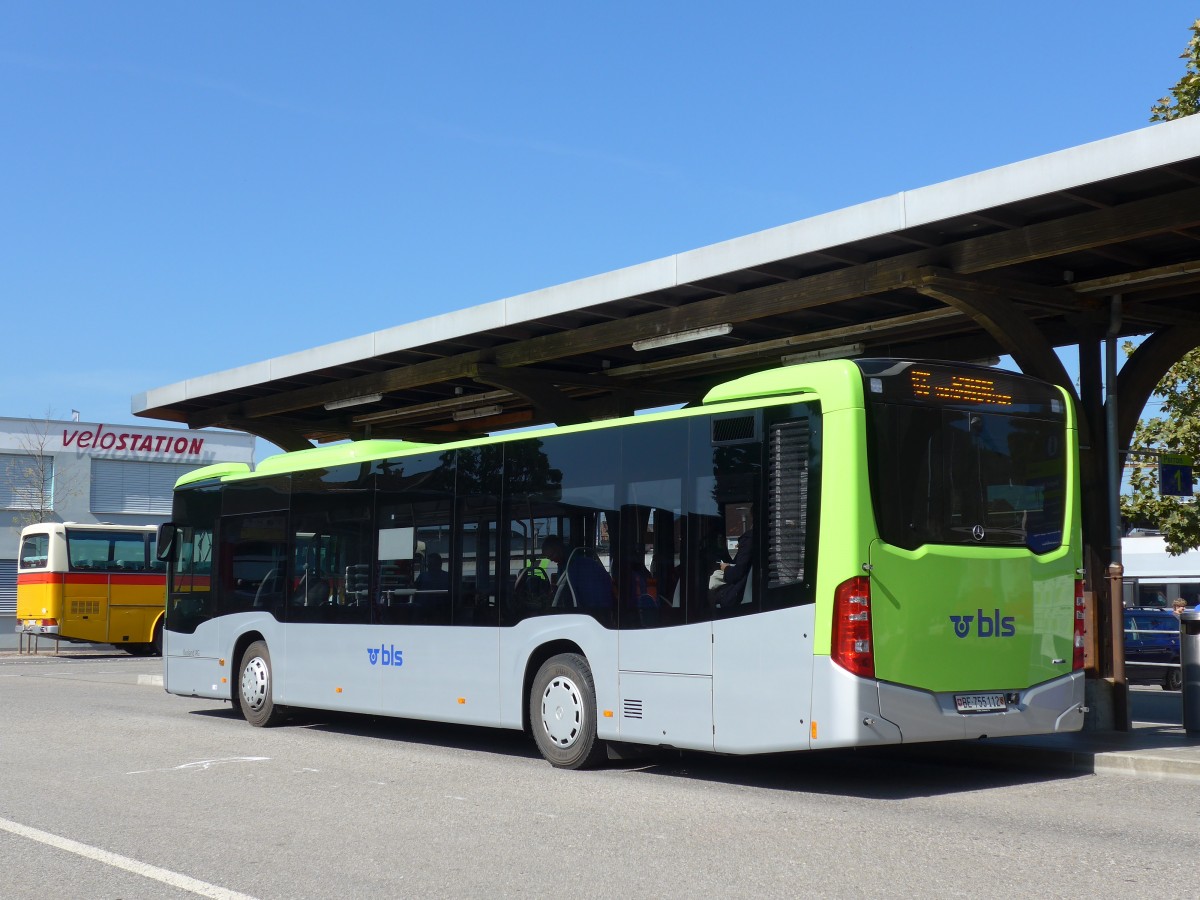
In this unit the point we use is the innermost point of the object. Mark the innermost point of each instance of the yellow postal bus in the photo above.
(92, 583)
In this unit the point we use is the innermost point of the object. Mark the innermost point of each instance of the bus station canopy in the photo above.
(1014, 260)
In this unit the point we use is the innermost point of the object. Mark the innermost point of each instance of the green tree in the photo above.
(1176, 429)
(30, 474)
(1184, 98)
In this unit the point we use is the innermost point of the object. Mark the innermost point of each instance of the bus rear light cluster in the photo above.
(1080, 627)
(851, 647)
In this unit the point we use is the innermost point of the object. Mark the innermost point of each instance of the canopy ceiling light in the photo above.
(353, 401)
(682, 337)
(845, 351)
(479, 412)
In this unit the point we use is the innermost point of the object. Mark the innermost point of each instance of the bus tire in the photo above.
(254, 688)
(156, 642)
(562, 713)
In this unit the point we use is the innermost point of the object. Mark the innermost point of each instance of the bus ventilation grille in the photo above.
(85, 607)
(734, 430)
(631, 709)
(787, 503)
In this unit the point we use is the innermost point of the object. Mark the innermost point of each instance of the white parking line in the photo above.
(174, 879)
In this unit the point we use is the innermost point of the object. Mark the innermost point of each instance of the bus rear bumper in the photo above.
(35, 627)
(1048, 708)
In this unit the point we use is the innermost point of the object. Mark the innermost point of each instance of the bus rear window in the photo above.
(35, 551)
(961, 476)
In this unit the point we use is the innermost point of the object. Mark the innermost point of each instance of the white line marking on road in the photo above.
(203, 764)
(166, 876)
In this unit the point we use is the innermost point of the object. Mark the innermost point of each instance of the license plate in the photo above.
(969, 703)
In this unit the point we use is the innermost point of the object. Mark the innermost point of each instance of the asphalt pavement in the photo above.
(1155, 746)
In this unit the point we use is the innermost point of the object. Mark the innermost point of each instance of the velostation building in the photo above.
(92, 472)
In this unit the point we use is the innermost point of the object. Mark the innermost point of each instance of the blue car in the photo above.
(1152, 647)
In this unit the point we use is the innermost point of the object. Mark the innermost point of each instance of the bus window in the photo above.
(35, 551)
(331, 547)
(99, 551)
(1189, 591)
(947, 476)
(476, 597)
(561, 522)
(649, 555)
(1151, 595)
(415, 502)
(255, 577)
(1128, 593)
(723, 517)
(191, 582)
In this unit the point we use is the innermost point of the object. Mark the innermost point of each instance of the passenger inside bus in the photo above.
(434, 578)
(736, 573)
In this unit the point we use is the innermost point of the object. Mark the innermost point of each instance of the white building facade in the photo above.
(93, 472)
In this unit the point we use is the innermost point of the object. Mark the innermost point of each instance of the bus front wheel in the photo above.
(562, 713)
(254, 688)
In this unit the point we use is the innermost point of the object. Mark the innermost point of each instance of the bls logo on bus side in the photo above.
(985, 626)
(385, 656)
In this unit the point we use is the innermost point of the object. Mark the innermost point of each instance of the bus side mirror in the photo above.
(166, 540)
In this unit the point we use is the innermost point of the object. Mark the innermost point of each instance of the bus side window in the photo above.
(414, 511)
(475, 571)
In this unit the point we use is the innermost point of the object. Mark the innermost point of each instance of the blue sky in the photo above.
(193, 187)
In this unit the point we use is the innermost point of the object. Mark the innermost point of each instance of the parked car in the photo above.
(1152, 647)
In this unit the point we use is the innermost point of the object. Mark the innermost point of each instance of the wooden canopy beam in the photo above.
(287, 436)
(552, 403)
(1143, 371)
(1001, 318)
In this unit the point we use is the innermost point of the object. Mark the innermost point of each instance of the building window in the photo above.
(8, 587)
(120, 486)
(26, 481)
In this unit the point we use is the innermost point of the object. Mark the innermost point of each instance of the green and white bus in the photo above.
(836, 554)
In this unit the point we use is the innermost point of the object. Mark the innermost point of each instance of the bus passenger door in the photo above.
(662, 572)
(762, 605)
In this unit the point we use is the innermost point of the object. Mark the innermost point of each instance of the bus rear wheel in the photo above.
(562, 713)
(254, 689)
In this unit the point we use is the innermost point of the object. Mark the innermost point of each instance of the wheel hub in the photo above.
(255, 683)
(562, 711)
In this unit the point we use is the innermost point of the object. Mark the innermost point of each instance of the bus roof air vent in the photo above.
(735, 429)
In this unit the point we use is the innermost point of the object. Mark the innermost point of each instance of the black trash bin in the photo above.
(1189, 658)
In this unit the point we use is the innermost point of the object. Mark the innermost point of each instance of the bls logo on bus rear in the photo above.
(385, 656)
(985, 625)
